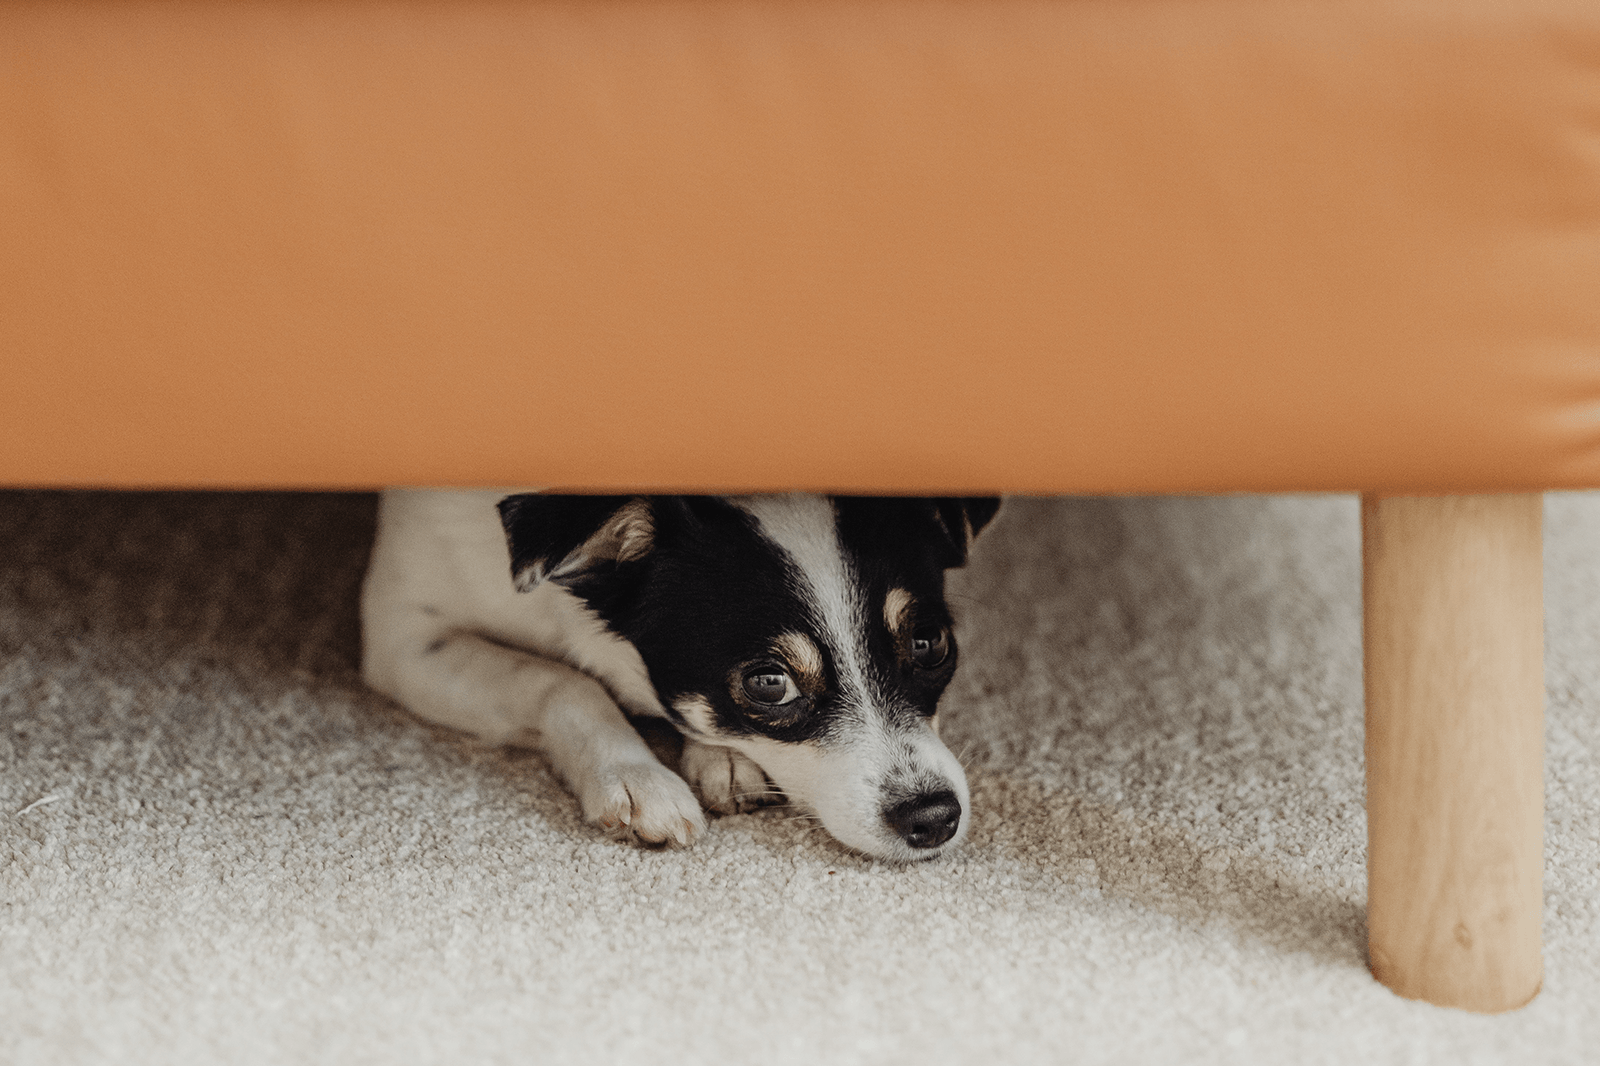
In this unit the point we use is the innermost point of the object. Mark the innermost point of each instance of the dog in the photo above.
(799, 641)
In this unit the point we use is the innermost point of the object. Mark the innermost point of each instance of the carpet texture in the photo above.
(216, 846)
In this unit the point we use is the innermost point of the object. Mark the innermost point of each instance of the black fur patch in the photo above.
(940, 525)
(542, 531)
(708, 602)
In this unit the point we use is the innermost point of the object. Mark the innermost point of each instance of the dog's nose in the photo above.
(926, 821)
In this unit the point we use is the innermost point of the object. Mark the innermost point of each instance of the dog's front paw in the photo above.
(645, 802)
(727, 781)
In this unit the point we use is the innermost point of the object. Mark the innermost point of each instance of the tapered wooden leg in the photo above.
(1455, 746)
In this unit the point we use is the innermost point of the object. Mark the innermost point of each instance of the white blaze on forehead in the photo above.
(806, 528)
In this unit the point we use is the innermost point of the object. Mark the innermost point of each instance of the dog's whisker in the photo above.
(806, 831)
(974, 601)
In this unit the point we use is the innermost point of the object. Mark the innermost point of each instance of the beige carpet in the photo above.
(215, 846)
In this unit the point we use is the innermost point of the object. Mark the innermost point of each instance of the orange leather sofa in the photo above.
(1074, 246)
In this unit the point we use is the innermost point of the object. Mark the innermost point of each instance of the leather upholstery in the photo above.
(868, 245)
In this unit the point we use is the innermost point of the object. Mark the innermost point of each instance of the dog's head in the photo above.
(808, 632)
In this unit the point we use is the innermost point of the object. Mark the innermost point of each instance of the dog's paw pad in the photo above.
(644, 802)
(726, 781)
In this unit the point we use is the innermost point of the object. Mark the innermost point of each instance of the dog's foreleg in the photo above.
(508, 696)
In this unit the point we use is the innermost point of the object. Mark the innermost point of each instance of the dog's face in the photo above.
(809, 633)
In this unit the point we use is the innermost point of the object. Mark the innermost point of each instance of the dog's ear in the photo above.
(566, 539)
(960, 520)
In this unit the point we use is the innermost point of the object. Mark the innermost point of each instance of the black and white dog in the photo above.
(799, 638)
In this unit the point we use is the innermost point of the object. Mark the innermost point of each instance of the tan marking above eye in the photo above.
(896, 609)
(803, 657)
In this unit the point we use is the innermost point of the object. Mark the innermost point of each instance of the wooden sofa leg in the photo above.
(1454, 639)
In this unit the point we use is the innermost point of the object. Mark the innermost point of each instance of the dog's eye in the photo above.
(770, 688)
(930, 646)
